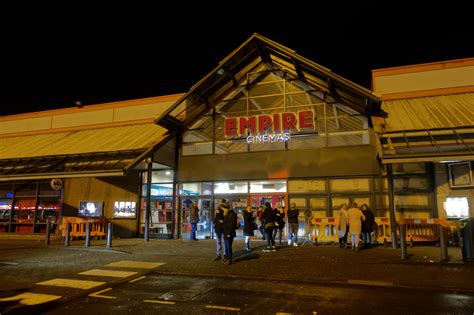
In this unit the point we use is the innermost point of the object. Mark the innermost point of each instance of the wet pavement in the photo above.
(24, 263)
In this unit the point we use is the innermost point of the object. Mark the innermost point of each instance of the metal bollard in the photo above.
(88, 235)
(443, 244)
(48, 232)
(68, 234)
(109, 234)
(394, 241)
(146, 234)
(403, 241)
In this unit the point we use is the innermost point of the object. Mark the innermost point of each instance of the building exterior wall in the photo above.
(89, 116)
(108, 190)
(437, 78)
(432, 97)
(324, 162)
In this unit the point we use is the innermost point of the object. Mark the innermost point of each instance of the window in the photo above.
(190, 189)
(457, 207)
(460, 174)
(269, 93)
(231, 188)
(305, 186)
(267, 186)
(350, 185)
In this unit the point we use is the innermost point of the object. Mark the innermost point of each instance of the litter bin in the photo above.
(467, 242)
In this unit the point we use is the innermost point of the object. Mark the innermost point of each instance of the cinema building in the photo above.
(266, 124)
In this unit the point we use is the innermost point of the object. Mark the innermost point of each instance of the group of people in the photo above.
(357, 221)
(271, 223)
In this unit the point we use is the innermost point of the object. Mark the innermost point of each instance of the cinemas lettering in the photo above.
(269, 128)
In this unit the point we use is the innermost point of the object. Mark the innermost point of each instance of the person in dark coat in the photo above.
(280, 220)
(230, 225)
(219, 229)
(269, 219)
(367, 225)
(249, 223)
(261, 224)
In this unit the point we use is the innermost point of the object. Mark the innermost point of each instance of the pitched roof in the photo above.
(255, 51)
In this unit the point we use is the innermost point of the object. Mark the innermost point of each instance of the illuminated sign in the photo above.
(269, 128)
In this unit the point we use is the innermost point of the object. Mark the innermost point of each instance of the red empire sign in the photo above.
(282, 123)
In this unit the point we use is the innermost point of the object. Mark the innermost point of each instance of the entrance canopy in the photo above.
(256, 56)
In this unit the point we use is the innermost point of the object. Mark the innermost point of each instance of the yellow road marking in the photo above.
(136, 279)
(159, 302)
(369, 282)
(223, 307)
(28, 298)
(72, 283)
(108, 273)
(135, 264)
(97, 294)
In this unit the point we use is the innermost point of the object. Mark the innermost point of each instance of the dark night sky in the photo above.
(50, 59)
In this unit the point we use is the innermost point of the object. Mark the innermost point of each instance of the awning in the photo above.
(110, 151)
(432, 112)
(430, 145)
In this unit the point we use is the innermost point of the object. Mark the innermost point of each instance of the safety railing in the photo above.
(382, 233)
(325, 229)
(423, 230)
(417, 230)
(78, 227)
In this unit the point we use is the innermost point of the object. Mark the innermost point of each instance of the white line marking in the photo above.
(97, 294)
(108, 273)
(28, 298)
(159, 302)
(135, 264)
(72, 283)
(228, 308)
(137, 279)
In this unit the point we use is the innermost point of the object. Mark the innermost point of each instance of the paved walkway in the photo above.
(24, 263)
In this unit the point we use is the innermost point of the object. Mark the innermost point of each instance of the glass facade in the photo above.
(161, 204)
(26, 205)
(270, 94)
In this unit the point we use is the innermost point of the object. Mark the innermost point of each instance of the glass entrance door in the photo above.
(204, 224)
(257, 200)
(273, 199)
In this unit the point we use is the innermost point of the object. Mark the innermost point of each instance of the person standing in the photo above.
(343, 226)
(219, 229)
(269, 220)
(249, 222)
(293, 214)
(261, 224)
(193, 219)
(367, 225)
(230, 225)
(355, 223)
(280, 220)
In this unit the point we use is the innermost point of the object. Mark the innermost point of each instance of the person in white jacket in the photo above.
(355, 224)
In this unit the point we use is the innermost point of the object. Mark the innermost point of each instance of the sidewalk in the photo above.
(25, 262)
